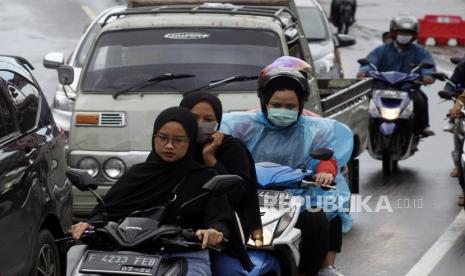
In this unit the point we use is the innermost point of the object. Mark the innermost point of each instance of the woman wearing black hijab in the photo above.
(227, 155)
(170, 177)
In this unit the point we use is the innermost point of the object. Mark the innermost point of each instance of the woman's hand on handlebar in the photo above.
(257, 237)
(324, 179)
(211, 237)
(78, 229)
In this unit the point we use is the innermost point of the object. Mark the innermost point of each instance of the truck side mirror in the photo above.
(65, 74)
(343, 40)
(53, 60)
(322, 154)
(81, 179)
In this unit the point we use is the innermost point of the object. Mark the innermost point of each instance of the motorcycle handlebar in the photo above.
(311, 181)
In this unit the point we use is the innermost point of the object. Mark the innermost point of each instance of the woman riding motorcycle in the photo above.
(170, 177)
(227, 155)
(279, 134)
(402, 55)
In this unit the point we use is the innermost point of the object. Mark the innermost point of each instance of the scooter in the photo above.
(280, 207)
(391, 119)
(138, 244)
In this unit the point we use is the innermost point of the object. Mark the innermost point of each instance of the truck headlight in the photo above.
(325, 63)
(61, 102)
(390, 113)
(90, 165)
(114, 168)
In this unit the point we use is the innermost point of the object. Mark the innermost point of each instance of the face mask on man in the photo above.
(205, 131)
(282, 117)
(404, 39)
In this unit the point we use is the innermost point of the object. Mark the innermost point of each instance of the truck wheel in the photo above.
(46, 256)
(388, 164)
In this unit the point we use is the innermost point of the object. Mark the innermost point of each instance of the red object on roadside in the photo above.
(444, 29)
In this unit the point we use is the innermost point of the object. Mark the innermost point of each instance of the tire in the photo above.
(388, 164)
(46, 256)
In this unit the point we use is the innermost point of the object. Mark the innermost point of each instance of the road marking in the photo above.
(90, 13)
(440, 248)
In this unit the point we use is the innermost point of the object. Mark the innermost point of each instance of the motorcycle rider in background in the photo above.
(279, 134)
(458, 77)
(402, 55)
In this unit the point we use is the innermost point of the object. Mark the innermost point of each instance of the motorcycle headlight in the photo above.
(325, 64)
(268, 231)
(407, 111)
(90, 165)
(390, 113)
(283, 223)
(373, 109)
(114, 168)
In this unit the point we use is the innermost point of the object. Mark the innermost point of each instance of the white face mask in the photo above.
(404, 39)
(205, 131)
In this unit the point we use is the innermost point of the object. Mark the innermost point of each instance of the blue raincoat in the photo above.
(292, 146)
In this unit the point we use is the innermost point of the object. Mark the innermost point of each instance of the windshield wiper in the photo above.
(224, 81)
(151, 81)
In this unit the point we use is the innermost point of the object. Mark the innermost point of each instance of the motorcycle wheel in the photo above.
(46, 256)
(388, 164)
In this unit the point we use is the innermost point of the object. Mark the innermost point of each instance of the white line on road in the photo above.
(90, 13)
(440, 248)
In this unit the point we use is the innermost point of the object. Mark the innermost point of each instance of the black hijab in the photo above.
(153, 182)
(190, 100)
(233, 158)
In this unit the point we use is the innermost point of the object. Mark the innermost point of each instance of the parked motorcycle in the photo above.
(138, 244)
(280, 208)
(391, 119)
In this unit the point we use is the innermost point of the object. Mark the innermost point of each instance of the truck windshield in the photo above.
(123, 58)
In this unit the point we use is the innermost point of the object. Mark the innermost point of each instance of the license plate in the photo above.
(120, 264)
(269, 198)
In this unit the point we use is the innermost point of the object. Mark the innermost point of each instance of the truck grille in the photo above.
(112, 119)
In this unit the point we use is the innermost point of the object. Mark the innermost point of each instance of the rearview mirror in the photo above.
(53, 60)
(456, 60)
(446, 95)
(343, 40)
(65, 74)
(322, 154)
(223, 184)
(364, 62)
(81, 179)
(440, 76)
(426, 65)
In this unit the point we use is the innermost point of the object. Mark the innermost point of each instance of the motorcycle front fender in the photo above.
(387, 128)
